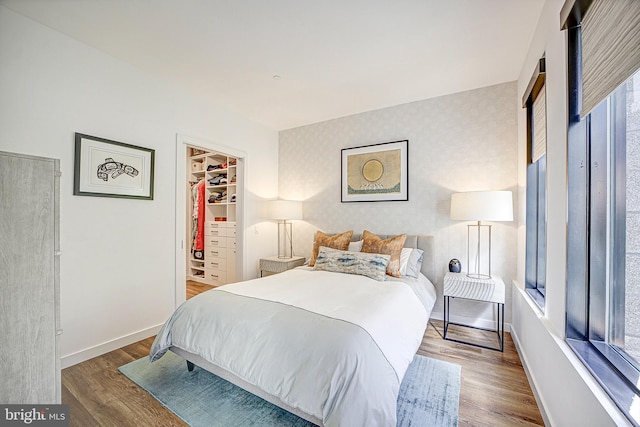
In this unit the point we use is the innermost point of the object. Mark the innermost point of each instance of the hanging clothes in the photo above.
(197, 191)
(201, 201)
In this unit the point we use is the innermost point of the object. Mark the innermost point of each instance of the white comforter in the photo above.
(332, 345)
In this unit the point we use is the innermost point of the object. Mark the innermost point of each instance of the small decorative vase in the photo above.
(455, 266)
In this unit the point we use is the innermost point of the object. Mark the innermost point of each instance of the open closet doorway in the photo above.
(209, 215)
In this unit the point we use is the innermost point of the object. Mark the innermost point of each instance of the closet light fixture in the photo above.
(481, 206)
(285, 211)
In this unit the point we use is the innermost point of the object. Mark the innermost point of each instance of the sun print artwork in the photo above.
(375, 172)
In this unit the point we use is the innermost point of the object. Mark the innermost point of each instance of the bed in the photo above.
(329, 347)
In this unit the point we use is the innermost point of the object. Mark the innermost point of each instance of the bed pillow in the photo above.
(337, 241)
(411, 262)
(373, 244)
(355, 246)
(373, 266)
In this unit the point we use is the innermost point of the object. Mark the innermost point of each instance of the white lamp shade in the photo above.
(482, 206)
(285, 209)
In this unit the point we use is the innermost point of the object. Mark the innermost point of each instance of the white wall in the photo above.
(117, 267)
(569, 395)
(460, 142)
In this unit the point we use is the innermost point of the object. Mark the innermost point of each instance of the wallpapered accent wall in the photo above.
(461, 142)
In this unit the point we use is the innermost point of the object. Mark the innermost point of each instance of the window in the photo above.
(535, 100)
(603, 262)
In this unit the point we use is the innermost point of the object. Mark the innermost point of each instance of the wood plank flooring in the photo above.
(494, 389)
(194, 288)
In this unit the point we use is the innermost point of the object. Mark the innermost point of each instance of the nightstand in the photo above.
(458, 285)
(274, 265)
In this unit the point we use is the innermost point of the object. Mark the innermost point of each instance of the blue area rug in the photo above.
(428, 395)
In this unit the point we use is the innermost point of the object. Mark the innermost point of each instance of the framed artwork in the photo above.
(376, 173)
(106, 168)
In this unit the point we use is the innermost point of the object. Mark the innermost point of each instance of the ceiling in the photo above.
(332, 57)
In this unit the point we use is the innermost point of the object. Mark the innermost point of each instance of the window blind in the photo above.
(610, 48)
(539, 143)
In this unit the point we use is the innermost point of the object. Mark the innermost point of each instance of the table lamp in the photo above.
(284, 211)
(481, 206)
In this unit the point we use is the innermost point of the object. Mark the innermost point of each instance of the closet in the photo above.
(212, 199)
(29, 279)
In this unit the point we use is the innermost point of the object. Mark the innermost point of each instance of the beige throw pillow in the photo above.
(373, 244)
(337, 241)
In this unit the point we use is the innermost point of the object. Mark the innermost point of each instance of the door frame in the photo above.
(182, 143)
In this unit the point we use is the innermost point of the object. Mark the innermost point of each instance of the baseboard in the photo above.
(471, 321)
(100, 349)
(532, 383)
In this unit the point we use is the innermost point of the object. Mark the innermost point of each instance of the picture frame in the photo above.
(375, 173)
(106, 168)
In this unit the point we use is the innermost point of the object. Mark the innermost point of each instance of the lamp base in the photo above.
(285, 244)
(481, 266)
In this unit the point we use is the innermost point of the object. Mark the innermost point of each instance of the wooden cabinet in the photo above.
(29, 280)
(218, 173)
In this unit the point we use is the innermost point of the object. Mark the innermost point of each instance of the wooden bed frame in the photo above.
(428, 269)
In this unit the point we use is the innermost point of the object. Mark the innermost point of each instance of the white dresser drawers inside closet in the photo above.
(211, 242)
(220, 252)
(215, 252)
(216, 264)
(216, 277)
(215, 242)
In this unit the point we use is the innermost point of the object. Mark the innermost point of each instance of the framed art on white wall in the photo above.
(106, 168)
(376, 173)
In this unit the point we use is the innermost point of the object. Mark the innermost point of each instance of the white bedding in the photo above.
(334, 346)
(389, 311)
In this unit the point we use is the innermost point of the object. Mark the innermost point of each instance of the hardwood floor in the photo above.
(494, 389)
(194, 288)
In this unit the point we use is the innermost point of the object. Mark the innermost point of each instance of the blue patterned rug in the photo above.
(428, 395)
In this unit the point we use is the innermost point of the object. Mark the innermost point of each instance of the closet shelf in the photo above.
(219, 171)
